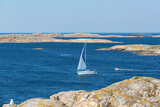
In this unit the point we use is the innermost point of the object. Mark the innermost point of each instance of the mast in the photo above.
(85, 55)
(82, 60)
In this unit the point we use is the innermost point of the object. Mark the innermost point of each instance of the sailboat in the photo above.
(82, 67)
(116, 68)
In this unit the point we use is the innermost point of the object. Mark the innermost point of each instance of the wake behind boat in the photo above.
(82, 67)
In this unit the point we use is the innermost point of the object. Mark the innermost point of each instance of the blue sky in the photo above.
(79, 16)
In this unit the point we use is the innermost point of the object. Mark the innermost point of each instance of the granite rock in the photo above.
(134, 92)
(141, 49)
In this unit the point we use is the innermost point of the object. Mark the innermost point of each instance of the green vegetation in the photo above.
(136, 77)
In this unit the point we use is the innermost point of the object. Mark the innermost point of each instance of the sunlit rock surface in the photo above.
(156, 36)
(95, 35)
(134, 92)
(38, 102)
(141, 49)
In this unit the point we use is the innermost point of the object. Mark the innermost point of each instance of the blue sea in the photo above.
(28, 73)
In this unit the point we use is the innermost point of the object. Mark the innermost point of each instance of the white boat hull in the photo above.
(82, 67)
(116, 69)
(86, 72)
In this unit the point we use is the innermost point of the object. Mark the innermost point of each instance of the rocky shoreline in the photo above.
(134, 92)
(156, 36)
(53, 37)
(96, 35)
(141, 49)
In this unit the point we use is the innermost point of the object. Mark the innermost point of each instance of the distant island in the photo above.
(38, 37)
(156, 36)
(134, 92)
(54, 37)
(95, 35)
(141, 49)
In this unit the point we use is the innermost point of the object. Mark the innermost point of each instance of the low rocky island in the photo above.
(53, 37)
(156, 36)
(134, 92)
(141, 49)
(96, 35)
(37, 48)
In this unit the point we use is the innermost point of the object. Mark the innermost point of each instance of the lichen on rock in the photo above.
(134, 92)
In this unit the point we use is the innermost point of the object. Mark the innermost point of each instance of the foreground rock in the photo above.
(38, 102)
(146, 50)
(29, 38)
(135, 92)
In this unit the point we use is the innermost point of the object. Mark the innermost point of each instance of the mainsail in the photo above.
(82, 61)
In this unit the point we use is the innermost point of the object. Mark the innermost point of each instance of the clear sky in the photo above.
(79, 16)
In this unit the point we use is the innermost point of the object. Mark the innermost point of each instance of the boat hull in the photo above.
(86, 72)
(116, 69)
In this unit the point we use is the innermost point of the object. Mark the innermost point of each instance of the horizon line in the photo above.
(70, 32)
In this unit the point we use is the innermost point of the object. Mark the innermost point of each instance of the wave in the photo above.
(127, 70)
(135, 70)
(65, 54)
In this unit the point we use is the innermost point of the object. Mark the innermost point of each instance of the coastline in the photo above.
(137, 91)
(54, 37)
(140, 49)
(34, 38)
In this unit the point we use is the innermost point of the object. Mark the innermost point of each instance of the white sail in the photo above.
(11, 102)
(82, 64)
(82, 68)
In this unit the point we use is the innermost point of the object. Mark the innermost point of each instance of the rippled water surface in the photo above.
(29, 73)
